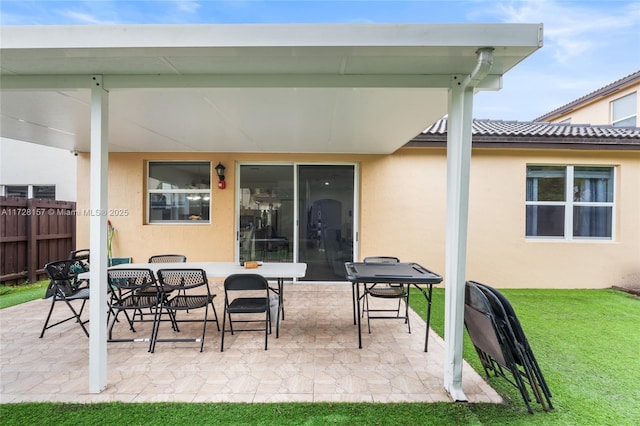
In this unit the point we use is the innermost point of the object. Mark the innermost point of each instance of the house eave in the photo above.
(533, 143)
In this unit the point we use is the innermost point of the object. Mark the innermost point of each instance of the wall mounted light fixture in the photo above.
(220, 171)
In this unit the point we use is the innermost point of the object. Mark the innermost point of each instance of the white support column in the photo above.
(98, 237)
(459, 124)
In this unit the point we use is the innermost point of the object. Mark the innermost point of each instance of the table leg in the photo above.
(358, 310)
(427, 296)
(280, 292)
(280, 307)
(354, 300)
(281, 301)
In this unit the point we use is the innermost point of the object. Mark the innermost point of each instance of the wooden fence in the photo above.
(34, 232)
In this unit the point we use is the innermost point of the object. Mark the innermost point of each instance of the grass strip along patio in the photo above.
(586, 342)
(14, 295)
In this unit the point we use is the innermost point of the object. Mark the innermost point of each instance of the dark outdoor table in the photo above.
(405, 273)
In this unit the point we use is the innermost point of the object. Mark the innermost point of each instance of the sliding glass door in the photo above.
(303, 213)
(325, 225)
(266, 216)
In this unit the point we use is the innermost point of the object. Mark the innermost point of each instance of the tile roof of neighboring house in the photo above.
(609, 88)
(518, 134)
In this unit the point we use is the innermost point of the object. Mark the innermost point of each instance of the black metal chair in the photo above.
(163, 258)
(523, 355)
(236, 304)
(65, 287)
(192, 288)
(133, 289)
(168, 258)
(496, 345)
(385, 291)
(83, 257)
(490, 344)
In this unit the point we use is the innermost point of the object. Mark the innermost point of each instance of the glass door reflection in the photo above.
(324, 201)
(266, 213)
(325, 209)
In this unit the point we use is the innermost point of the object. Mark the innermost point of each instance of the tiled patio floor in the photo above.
(316, 358)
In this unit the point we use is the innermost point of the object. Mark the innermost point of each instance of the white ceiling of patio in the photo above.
(336, 88)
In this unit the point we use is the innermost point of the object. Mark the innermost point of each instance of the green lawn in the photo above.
(14, 295)
(586, 342)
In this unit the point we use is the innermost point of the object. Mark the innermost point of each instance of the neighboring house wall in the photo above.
(595, 108)
(23, 163)
(403, 214)
(598, 112)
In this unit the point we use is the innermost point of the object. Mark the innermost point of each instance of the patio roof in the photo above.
(341, 88)
(334, 88)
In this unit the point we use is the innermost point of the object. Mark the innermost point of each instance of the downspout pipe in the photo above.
(483, 66)
(458, 167)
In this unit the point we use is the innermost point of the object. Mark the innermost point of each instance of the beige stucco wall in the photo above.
(498, 250)
(199, 242)
(598, 111)
(402, 213)
(403, 207)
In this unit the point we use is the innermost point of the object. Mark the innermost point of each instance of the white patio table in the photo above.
(271, 270)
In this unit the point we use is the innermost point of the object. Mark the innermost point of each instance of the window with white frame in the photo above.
(179, 191)
(16, 191)
(624, 111)
(569, 202)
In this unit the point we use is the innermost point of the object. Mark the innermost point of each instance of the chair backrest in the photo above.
(131, 279)
(508, 323)
(481, 324)
(179, 279)
(239, 282)
(168, 258)
(63, 276)
(381, 259)
(82, 256)
(509, 312)
(503, 323)
(61, 270)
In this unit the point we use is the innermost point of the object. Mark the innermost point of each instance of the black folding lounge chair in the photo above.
(490, 342)
(513, 329)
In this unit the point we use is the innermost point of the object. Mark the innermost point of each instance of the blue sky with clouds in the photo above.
(588, 44)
